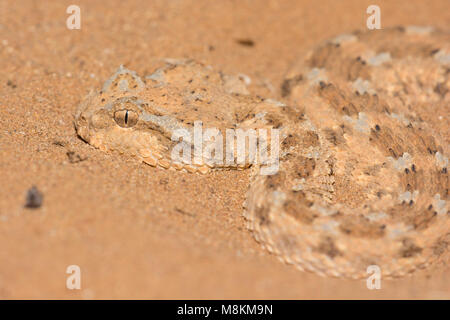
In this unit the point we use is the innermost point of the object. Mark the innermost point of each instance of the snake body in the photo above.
(363, 151)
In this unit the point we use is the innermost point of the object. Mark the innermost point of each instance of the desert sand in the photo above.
(136, 231)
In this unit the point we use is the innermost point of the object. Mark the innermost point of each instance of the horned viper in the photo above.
(363, 148)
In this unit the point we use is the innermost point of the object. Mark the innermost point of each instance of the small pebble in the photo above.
(34, 198)
(245, 42)
(75, 157)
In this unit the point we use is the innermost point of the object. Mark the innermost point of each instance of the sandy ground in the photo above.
(135, 231)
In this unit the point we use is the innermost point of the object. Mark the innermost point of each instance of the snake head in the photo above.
(116, 119)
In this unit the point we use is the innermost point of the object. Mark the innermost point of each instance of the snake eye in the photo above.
(126, 118)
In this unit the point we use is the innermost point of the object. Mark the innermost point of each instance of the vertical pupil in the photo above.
(126, 117)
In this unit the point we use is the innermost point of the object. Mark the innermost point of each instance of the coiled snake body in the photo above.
(362, 177)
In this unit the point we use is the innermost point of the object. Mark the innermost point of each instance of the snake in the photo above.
(362, 145)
